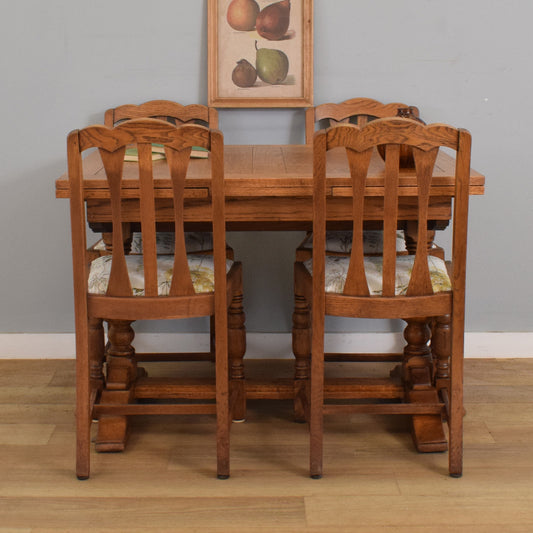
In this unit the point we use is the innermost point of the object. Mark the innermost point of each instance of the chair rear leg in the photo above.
(316, 425)
(83, 415)
(83, 449)
(455, 422)
(222, 399)
(222, 434)
(316, 412)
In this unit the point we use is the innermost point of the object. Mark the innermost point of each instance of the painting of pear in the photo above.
(244, 74)
(242, 14)
(271, 65)
(273, 21)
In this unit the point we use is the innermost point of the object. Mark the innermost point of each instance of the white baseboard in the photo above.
(263, 345)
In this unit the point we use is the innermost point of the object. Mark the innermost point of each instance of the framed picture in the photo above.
(260, 53)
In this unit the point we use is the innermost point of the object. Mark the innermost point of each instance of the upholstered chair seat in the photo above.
(337, 271)
(201, 269)
(195, 241)
(341, 242)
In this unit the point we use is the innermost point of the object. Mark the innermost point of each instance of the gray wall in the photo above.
(64, 62)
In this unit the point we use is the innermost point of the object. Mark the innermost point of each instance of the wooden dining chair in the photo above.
(430, 379)
(120, 288)
(173, 112)
(195, 241)
(177, 114)
(357, 111)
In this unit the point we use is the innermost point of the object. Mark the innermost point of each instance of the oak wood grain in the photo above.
(112, 398)
(430, 391)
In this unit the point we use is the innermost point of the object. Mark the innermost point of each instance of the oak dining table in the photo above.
(270, 187)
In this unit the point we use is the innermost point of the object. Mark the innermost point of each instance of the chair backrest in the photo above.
(173, 112)
(359, 144)
(112, 144)
(356, 111)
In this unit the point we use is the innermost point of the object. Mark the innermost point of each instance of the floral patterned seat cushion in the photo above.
(341, 242)
(201, 268)
(195, 241)
(337, 270)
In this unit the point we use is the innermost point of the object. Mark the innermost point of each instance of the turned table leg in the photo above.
(417, 369)
(441, 346)
(411, 237)
(236, 351)
(107, 237)
(121, 375)
(301, 347)
(97, 355)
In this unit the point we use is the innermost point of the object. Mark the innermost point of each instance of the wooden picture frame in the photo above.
(239, 74)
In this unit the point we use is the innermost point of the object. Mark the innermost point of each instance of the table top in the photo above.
(269, 170)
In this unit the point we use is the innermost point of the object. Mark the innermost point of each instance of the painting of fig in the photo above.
(272, 65)
(244, 74)
(242, 14)
(272, 22)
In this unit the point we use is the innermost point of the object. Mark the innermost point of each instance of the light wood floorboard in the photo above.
(165, 481)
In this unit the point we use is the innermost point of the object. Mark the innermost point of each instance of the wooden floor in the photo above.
(165, 481)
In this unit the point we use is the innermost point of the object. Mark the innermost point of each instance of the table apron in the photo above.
(269, 209)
